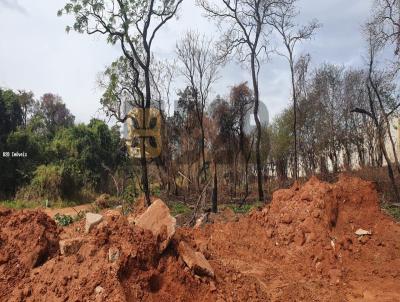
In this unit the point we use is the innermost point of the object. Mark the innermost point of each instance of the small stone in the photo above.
(98, 290)
(195, 260)
(361, 232)
(92, 220)
(113, 254)
(213, 288)
(70, 246)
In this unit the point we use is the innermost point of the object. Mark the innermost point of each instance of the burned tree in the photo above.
(242, 100)
(291, 34)
(381, 111)
(247, 34)
(199, 66)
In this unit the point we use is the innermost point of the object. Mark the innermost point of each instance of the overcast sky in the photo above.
(36, 54)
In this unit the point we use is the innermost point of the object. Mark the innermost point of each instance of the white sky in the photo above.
(36, 54)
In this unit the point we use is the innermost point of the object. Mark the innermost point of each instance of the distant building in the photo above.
(263, 116)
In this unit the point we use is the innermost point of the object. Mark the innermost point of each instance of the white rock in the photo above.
(113, 254)
(99, 289)
(361, 232)
(92, 220)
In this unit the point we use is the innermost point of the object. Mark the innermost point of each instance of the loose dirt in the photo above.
(301, 247)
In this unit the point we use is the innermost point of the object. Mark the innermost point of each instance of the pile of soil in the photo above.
(27, 240)
(135, 272)
(300, 247)
(303, 247)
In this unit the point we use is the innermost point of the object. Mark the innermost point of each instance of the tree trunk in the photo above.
(382, 143)
(258, 130)
(214, 200)
(387, 124)
(203, 153)
(296, 173)
(143, 160)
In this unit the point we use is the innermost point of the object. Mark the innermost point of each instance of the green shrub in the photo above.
(63, 220)
(46, 184)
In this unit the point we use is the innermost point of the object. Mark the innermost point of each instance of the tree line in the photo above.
(339, 117)
(64, 160)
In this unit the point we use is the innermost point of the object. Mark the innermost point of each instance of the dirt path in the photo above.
(72, 211)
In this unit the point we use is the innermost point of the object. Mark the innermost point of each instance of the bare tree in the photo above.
(200, 68)
(133, 25)
(292, 34)
(379, 115)
(247, 34)
(386, 20)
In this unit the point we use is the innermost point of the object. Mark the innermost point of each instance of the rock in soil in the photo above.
(92, 220)
(195, 260)
(70, 246)
(158, 220)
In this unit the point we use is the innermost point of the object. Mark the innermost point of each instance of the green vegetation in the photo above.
(17, 204)
(178, 208)
(60, 160)
(245, 208)
(392, 210)
(63, 220)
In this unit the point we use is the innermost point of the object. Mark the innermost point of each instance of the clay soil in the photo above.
(301, 247)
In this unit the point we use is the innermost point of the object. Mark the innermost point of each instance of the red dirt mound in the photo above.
(27, 240)
(115, 262)
(303, 247)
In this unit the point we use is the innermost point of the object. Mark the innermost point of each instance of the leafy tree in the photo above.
(11, 114)
(54, 113)
(133, 25)
(11, 117)
(84, 151)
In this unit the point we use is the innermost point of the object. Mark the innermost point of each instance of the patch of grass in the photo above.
(18, 204)
(246, 207)
(62, 204)
(178, 208)
(392, 210)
